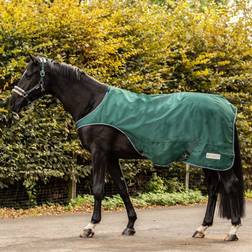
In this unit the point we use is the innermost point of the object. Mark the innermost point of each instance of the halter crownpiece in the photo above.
(40, 84)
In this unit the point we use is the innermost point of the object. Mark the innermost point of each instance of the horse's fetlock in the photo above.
(207, 223)
(96, 220)
(133, 217)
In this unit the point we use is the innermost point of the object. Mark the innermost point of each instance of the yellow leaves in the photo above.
(120, 39)
(250, 108)
(201, 73)
(2, 110)
(204, 58)
(223, 63)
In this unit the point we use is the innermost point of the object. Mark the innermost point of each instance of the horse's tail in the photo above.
(232, 187)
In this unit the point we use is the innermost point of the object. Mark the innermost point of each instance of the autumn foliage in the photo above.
(144, 46)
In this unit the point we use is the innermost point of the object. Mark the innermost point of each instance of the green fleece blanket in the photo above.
(192, 127)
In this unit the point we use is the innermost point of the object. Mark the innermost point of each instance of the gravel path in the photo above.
(159, 229)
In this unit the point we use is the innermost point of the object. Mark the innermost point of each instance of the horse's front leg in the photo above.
(99, 164)
(116, 174)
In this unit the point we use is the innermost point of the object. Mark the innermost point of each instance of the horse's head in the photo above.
(31, 86)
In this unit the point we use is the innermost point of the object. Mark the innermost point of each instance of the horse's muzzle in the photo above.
(16, 103)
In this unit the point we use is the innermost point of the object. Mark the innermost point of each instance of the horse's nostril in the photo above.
(11, 103)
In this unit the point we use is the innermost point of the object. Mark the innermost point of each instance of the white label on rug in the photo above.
(213, 156)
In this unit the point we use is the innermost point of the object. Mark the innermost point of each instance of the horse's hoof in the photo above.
(128, 231)
(87, 233)
(232, 237)
(198, 234)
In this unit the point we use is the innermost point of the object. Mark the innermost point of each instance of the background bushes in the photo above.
(144, 46)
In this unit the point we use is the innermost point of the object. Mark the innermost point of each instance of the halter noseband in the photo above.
(40, 84)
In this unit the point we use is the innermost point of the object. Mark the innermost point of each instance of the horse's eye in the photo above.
(28, 76)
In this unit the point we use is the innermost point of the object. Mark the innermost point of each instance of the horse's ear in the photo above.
(33, 59)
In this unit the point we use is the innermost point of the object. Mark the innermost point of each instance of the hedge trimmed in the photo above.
(144, 46)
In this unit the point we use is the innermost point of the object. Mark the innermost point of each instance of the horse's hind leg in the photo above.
(116, 174)
(229, 202)
(232, 194)
(212, 188)
(231, 205)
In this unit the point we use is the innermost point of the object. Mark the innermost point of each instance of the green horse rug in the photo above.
(192, 127)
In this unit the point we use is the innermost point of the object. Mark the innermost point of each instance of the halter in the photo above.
(40, 84)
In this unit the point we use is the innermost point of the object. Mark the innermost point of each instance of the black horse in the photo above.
(80, 94)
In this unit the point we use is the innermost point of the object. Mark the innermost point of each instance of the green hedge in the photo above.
(143, 46)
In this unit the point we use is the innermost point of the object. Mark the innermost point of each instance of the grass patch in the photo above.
(85, 204)
(143, 200)
(248, 194)
(170, 199)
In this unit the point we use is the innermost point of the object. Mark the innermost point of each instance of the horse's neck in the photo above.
(78, 97)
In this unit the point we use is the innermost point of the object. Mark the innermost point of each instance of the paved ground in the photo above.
(165, 229)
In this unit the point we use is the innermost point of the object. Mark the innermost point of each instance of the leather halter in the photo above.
(40, 84)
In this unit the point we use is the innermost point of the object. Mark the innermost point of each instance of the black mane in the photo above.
(68, 71)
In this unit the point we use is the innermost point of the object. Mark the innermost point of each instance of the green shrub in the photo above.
(142, 200)
(174, 185)
(144, 46)
(156, 184)
(169, 199)
(80, 201)
(248, 194)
